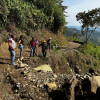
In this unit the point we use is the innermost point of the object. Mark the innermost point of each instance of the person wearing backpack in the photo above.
(32, 46)
(12, 46)
(44, 48)
(21, 45)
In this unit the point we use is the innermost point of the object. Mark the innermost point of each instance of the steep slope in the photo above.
(71, 31)
(66, 72)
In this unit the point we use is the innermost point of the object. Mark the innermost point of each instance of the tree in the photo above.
(61, 5)
(54, 10)
(75, 35)
(89, 22)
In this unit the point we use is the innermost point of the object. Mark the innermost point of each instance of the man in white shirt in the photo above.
(12, 46)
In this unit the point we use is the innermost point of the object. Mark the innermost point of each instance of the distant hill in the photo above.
(95, 37)
(76, 27)
(71, 31)
(79, 28)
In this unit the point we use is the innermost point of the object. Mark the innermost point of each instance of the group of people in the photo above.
(34, 44)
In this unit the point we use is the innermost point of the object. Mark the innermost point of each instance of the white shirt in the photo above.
(13, 44)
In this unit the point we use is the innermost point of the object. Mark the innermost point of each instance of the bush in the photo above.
(59, 19)
(40, 18)
(3, 13)
(91, 50)
(25, 15)
(32, 14)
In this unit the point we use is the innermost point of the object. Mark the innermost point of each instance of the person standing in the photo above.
(32, 46)
(49, 43)
(21, 45)
(12, 46)
(37, 44)
(44, 48)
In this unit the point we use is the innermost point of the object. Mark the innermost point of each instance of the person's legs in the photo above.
(44, 53)
(12, 57)
(21, 50)
(31, 52)
(49, 46)
(36, 50)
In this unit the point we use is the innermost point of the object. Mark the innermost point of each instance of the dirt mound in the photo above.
(29, 84)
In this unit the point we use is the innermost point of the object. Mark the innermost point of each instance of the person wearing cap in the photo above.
(44, 48)
(49, 43)
(12, 46)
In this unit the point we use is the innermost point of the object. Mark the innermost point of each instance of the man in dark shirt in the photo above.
(44, 48)
(32, 46)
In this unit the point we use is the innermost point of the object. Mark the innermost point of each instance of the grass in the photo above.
(91, 50)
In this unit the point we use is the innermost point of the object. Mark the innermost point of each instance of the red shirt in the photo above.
(32, 42)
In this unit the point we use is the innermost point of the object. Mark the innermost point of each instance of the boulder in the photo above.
(52, 86)
(44, 68)
(95, 83)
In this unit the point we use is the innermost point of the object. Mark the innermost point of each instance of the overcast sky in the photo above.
(76, 6)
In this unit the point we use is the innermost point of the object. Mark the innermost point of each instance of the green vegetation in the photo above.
(91, 50)
(34, 14)
(73, 39)
(95, 37)
(90, 21)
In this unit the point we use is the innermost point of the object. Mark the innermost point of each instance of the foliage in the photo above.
(89, 20)
(33, 14)
(61, 6)
(3, 13)
(54, 11)
(92, 50)
(95, 37)
(59, 19)
(75, 39)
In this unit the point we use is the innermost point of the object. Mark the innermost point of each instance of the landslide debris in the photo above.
(29, 83)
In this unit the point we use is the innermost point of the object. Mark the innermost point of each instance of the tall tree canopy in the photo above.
(33, 14)
(89, 21)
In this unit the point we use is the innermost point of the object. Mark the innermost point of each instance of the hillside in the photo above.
(71, 31)
(42, 79)
(27, 17)
(70, 71)
(79, 28)
(95, 37)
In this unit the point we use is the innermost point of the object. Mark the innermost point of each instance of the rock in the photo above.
(95, 83)
(74, 83)
(43, 68)
(55, 76)
(20, 64)
(97, 80)
(21, 58)
(52, 85)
